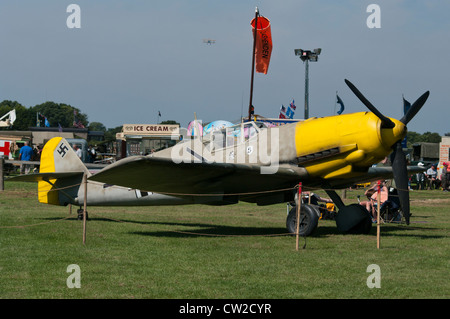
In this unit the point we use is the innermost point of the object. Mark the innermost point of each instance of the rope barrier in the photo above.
(306, 188)
(37, 224)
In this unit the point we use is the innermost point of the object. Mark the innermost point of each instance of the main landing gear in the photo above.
(351, 219)
(309, 218)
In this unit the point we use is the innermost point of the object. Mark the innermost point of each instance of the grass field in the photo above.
(239, 251)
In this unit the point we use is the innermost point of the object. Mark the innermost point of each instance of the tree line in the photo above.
(56, 114)
(53, 114)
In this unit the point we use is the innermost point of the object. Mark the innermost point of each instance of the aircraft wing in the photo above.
(162, 175)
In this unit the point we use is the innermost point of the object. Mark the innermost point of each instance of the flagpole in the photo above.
(253, 64)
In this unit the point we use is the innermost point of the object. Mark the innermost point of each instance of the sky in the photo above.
(131, 59)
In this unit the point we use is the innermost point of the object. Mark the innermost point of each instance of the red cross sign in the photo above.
(4, 148)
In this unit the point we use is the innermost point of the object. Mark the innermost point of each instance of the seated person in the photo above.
(372, 195)
(433, 181)
(315, 199)
(326, 211)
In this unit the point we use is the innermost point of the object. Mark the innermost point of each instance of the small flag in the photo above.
(75, 118)
(341, 103)
(290, 113)
(290, 110)
(76, 121)
(406, 106)
(282, 112)
(47, 123)
(59, 127)
(293, 105)
(159, 113)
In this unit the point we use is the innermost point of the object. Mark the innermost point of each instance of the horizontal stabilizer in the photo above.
(39, 177)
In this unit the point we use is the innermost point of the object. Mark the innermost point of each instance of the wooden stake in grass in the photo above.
(2, 185)
(378, 213)
(84, 208)
(299, 204)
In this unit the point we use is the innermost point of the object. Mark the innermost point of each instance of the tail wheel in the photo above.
(308, 220)
(80, 214)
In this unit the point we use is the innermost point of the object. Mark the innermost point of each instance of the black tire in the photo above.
(80, 214)
(308, 220)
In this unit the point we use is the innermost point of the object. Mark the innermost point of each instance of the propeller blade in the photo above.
(401, 178)
(415, 108)
(385, 122)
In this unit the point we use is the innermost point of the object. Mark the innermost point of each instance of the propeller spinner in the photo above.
(398, 158)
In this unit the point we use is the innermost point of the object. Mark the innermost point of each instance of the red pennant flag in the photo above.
(263, 48)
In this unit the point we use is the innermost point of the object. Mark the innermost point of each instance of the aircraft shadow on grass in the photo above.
(212, 230)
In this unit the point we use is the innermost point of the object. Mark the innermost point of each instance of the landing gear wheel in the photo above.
(80, 214)
(308, 220)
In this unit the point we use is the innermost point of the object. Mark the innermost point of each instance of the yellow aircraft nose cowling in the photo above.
(392, 135)
(332, 147)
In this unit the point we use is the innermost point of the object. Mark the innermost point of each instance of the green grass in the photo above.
(238, 251)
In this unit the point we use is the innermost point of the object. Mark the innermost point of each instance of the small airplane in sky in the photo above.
(247, 162)
(209, 41)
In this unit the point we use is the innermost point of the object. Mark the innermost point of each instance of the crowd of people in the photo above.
(431, 179)
(26, 153)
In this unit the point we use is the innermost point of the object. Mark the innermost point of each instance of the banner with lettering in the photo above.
(263, 49)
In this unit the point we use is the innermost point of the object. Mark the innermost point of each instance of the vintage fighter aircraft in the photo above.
(248, 162)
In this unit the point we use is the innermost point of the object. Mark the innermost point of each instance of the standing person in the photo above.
(77, 150)
(445, 175)
(25, 154)
(420, 177)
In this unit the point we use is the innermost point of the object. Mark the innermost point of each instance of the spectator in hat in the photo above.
(420, 177)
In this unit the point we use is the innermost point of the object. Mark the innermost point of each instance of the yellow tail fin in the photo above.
(57, 156)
